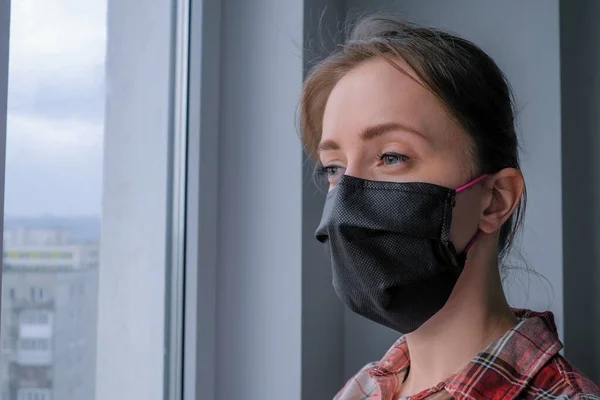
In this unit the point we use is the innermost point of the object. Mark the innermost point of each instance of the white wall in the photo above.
(259, 270)
(523, 38)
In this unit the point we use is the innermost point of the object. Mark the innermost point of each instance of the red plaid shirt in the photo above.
(522, 364)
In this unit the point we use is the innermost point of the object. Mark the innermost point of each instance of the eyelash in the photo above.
(323, 170)
(401, 157)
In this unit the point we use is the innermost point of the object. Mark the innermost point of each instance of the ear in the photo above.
(505, 191)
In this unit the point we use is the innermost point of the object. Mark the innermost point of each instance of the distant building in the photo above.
(25, 236)
(48, 321)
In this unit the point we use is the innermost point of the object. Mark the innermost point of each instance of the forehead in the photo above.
(374, 93)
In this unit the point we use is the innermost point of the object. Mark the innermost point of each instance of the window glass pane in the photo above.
(54, 158)
(91, 313)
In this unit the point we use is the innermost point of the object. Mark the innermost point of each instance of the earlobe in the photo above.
(505, 191)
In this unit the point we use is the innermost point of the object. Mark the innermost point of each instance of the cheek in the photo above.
(465, 220)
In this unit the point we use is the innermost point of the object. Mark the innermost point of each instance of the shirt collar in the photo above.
(500, 371)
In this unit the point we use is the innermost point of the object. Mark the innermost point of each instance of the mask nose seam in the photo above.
(445, 234)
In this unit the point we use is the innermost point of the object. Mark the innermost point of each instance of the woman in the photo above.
(414, 130)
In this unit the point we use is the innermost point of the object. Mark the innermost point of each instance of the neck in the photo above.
(475, 315)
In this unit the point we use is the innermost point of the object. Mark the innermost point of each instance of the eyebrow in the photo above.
(371, 133)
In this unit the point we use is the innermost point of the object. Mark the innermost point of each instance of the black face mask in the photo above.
(390, 249)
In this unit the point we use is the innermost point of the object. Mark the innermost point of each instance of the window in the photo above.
(35, 317)
(36, 294)
(53, 186)
(77, 158)
(35, 344)
(33, 394)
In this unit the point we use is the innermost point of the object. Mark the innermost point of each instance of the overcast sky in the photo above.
(55, 107)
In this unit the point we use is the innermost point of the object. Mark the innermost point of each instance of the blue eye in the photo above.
(331, 172)
(392, 158)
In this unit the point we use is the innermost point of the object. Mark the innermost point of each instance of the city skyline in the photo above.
(55, 108)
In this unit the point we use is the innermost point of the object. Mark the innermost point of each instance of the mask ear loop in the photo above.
(472, 241)
(463, 188)
(473, 182)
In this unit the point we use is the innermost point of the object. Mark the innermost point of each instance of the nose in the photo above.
(355, 170)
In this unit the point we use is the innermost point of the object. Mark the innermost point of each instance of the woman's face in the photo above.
(379, 124)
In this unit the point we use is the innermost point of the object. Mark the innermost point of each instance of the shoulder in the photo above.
(359, 385)
(379, 380)
(560, 379)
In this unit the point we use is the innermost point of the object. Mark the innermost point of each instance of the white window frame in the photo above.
(140, 335)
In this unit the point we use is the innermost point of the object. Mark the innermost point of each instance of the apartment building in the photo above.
(48, 321)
